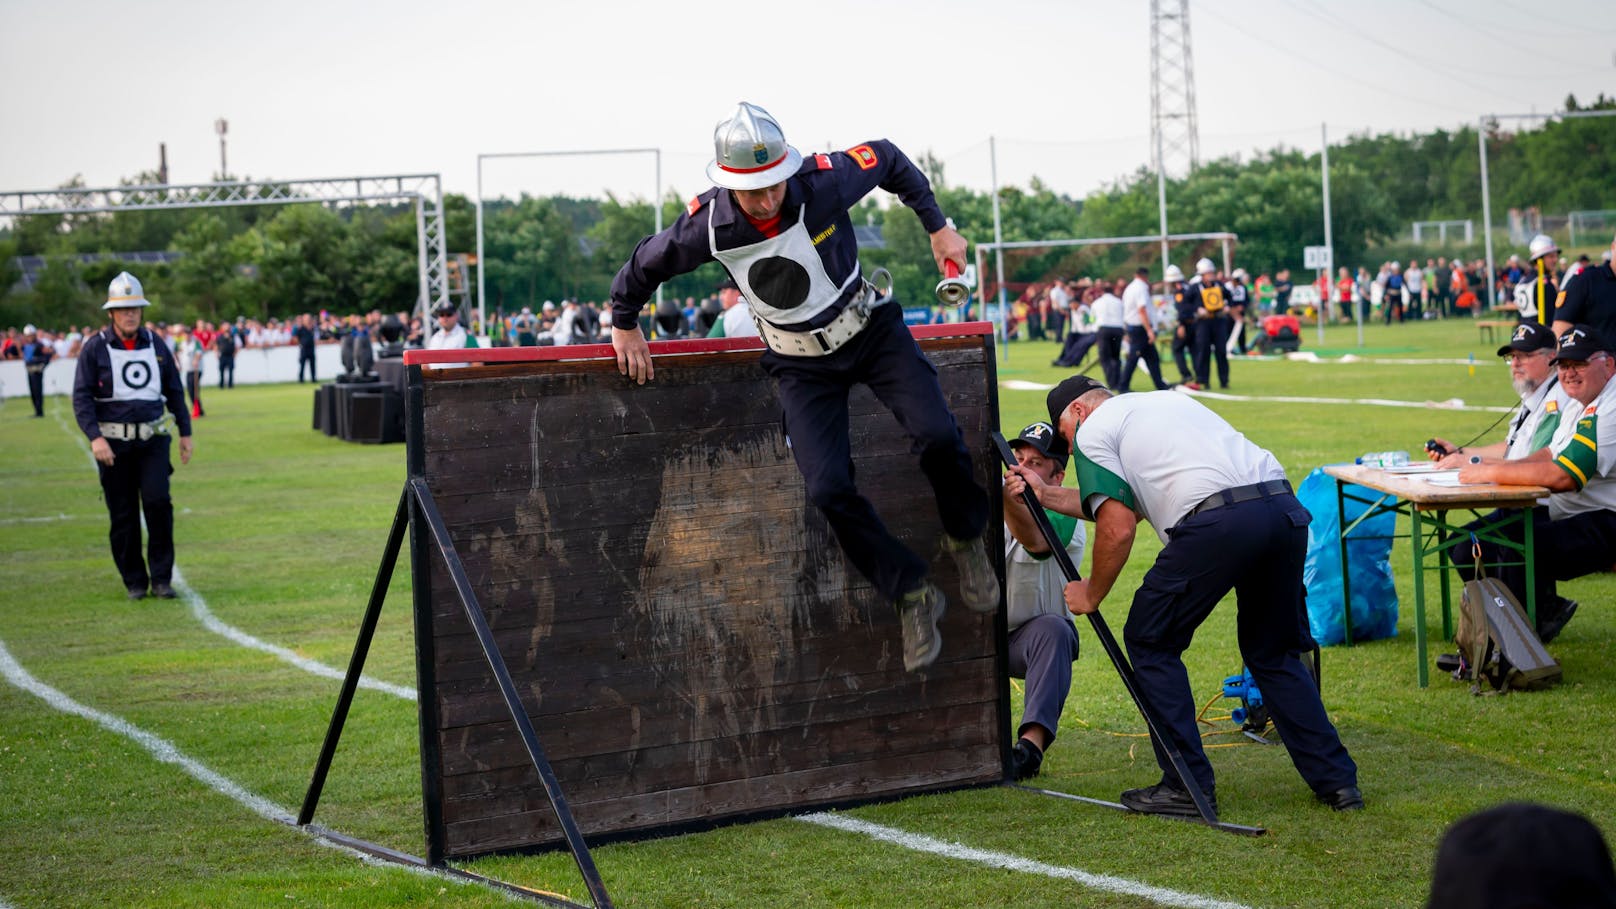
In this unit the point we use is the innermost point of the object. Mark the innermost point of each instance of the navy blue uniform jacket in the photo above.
(94, 380)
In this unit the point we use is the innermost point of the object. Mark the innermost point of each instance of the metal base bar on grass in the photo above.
(1209, 815)
(416, 493)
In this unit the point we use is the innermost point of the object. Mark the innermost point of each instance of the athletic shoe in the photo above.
(979, 585)
(1025, 759)
(161, 590)
(1192, 385)
(1164, 799)
(137, 593)
(918, 613)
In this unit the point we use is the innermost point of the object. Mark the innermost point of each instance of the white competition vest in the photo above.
(134, 374)
(782, 277)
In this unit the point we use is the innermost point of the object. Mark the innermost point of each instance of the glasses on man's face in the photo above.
(1580, 365)
(1518, 357)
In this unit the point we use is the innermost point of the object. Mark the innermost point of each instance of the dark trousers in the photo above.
(1140, 348)
(36, 390)
(1392, 301)
(1077, 347)
(1109, 351)
(813, 392)
(1042, 652)
(1211, 341)
(1255, 548)
(193, 387)
(227, 371)
(137, 479)
(1182, 336)
(1568, 548)
(306, 357)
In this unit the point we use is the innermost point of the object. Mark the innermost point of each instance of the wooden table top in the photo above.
(1431, 497)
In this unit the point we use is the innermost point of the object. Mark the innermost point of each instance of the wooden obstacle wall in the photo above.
(686, 637)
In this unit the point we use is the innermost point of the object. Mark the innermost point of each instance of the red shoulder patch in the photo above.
(693, 206)
(864, 156)
(823, 161)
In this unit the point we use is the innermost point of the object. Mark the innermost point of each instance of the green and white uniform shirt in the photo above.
(1535, 423)
(1034, 583)
(1162, 453)
(1585, 448)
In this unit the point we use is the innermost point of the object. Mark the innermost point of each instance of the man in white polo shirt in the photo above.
(1138, 318)
(1228, 521)
(1528, 354)
(1043, 642)
(1575, 533)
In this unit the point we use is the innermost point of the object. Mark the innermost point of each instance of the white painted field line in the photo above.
(1453, 404)
(43, 519)
(199, 609)
(166, 752)
(1103, 882)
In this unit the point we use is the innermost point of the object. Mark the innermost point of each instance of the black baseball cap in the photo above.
(1529, 336)
(1069, 390)
(1580, 342)
(1044, 439)
(728, 284)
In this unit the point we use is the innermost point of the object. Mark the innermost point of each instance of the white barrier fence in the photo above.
(254, 366)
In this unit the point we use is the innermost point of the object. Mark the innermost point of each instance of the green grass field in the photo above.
(280, 530)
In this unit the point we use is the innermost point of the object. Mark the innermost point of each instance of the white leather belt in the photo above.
(821, 341)
(132, 432)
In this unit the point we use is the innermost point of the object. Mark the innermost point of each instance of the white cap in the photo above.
(1173, 274)
(29, 330)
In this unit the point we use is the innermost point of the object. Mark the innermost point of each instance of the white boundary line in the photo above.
(1103, 882)
(199, 609)
(166, 752)
(1453, 404)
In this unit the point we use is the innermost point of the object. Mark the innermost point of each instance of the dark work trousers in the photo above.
(1077, 347)
(1110, 353)
(1042, 652)
(1392, 305)
(813, 392)
(1564, 549)
(1211, 340)
(306, 356)
(193, 387)
(139, 477)
(1182, 336)
(1257, 549)
(227, 371)
(1140, 348)
(36, 389)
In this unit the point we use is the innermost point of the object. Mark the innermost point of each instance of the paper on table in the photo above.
(1427, 467)
(1443, 478)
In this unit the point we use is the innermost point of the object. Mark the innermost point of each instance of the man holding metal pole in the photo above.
(1228, 521)
(779, 224)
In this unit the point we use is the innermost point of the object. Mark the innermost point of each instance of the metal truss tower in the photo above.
(1175, 142)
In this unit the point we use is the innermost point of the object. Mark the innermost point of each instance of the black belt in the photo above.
(1241, 494)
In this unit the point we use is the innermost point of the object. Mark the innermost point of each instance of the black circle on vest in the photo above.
(136, 374)
(778, 282)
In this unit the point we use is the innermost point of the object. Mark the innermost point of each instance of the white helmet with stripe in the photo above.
(750, 151)
(125, 292)
(1541, 246)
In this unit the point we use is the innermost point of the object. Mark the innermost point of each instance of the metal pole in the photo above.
(482, 287)
(1324, 166)
(656, 206)
(1161, 200)
(1486, 212)
(998, 251)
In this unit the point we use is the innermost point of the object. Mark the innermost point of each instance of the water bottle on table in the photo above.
(1384, 459)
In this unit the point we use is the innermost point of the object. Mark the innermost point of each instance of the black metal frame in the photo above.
(417, 509)
(1209, 814)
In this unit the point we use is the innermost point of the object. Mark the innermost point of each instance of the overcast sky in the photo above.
(339, 88)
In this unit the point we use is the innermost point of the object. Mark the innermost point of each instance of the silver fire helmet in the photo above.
(1173, 274)
(125, 292)
(750, 151)
(1205, 266)
(1541, 246)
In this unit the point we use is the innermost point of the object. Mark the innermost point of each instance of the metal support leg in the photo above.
(1528, 556)
(1443, 564)
(1419, 595)
(1346, 582)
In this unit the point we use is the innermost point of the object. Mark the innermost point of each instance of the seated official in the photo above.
(1574, 534)
(1528, 355)
(1043, 641)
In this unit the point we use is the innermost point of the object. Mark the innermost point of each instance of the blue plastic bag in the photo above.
(1374, 595)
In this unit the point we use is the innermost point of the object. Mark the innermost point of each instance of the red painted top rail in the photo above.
(605, 352)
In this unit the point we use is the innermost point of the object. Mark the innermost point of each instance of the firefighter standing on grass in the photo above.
(126, 375)
(779, 224)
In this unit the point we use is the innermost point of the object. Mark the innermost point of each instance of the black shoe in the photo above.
(1550, 626)
(1025, 759)
(137, 593)
(1164, 799)
(161, 590)
(1345, 799)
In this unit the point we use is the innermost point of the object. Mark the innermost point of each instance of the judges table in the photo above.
(1427, 506)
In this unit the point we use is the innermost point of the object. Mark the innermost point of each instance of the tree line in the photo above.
(276, 261)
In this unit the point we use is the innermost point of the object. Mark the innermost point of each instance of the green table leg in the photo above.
(1419, 594)
(1528, 556)
(1346, 584)
(1443, 565)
